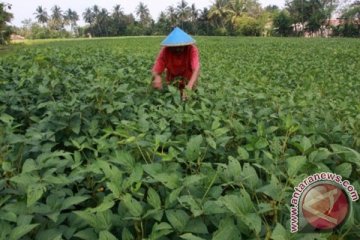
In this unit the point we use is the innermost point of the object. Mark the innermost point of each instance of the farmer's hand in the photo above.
(189, 86)
(183, 96)
(187, 89)
(157, 82)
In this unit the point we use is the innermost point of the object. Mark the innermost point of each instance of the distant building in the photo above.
(334, 22)
(16, 37)
(324, 31)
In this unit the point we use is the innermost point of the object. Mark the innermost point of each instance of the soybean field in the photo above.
(88, 150)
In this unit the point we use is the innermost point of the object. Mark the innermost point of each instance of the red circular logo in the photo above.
(325, 206)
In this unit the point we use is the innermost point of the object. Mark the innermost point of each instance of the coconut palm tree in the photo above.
(194, 13)
(171, 14)
(57, 18)
(70, 18)
(103, 21)
(235, 9)
(253, 8)
(96, 9)
(41, 15)
(163, 23)
(88, 16)
(352, 12)
(117, 12)
(218, 12)
(56, 13)
(96, 17)
(183, 12)
(118, 20)
(203, 21)
(143, 13)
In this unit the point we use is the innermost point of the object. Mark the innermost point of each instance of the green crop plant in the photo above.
(89, 151)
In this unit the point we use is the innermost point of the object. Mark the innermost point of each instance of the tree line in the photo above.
(5, 18)
(223, 17)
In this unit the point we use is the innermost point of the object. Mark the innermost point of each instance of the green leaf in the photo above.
(6, 118)
(115, 188)
(34, 193)
(272, 189)
(227, 230)
(319, 155)
(232, 202)
(99, 221)
(243, 154)
(54, 234)
(261, 143)
(26, 180)
(305, 144)
(214, 207)
(6, 166)
(220, 132)
(106, 235)
(253, 221)
(29, 166)
(280, 233)
(24, 219)
(294, 164)
(247, 205)
(71, 201)
(196, 225)
(89, 218)
(126, 234)
(177, 218)
(87, 234)
(156, 214)
(153, 199)
(170, 180)
(125, 159)
(250, 176)
(133, 206)
(193, 148)
(105, 205)
(265, 208)
(172, 197)
(8, 216)
(21, 231)
(111, 172)
(234, 169)
(4, 199)
(190, 203)
(215, 124)
(190, 236)
(160, 230)
(211, 142)
(193, 180)
(344, 170)
(75, 123)
(348, 154)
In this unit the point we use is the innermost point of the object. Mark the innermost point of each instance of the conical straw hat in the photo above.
(177, 38)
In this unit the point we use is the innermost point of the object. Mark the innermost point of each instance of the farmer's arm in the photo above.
(158, 69)
(195, 65)
(194, 77)
(157, 81)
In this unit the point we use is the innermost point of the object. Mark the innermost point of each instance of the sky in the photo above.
(24, 9)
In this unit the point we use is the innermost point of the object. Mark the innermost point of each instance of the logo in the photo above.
(322, 201)
(325, 206)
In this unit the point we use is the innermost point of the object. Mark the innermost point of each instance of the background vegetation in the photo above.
(89, 151)
(223, 17)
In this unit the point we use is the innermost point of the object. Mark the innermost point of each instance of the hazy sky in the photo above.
(24, 9)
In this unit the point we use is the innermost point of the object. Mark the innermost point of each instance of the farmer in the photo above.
(179, 57)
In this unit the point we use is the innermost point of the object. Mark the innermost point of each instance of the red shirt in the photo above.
(177, 64)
